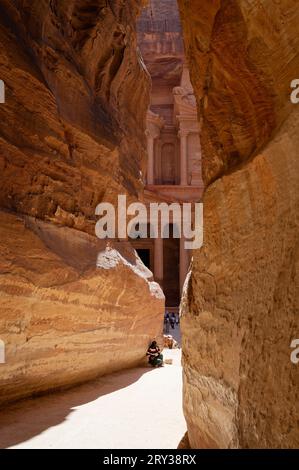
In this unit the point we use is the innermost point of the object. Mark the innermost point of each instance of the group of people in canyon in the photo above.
(170, 320)
(155, 357)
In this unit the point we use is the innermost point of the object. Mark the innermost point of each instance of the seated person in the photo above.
(155, 358)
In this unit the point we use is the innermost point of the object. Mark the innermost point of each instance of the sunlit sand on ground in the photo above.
(136, 408)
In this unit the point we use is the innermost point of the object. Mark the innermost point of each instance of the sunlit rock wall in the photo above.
(240, 307)
(71, 136)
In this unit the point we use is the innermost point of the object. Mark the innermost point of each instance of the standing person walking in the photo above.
(172, 320)
(166, 322)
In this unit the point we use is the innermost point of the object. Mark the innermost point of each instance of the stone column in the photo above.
(158, 260)
(184, 262)
(154, 124)
(184, 155)
(150, 161)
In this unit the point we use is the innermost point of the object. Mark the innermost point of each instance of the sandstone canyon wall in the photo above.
(240, 306)
(71, 136)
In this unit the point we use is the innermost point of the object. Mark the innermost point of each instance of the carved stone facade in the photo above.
(174, 154)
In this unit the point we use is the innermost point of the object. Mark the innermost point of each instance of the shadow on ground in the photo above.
(25, 419)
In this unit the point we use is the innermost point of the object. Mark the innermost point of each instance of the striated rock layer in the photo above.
(71, 307)
(71, 136)
(240, 306)
(72, 129)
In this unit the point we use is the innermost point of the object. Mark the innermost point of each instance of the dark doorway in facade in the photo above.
(145, 256)
(171, 269)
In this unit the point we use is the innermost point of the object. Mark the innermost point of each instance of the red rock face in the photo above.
(73, 126)
(238, 55)
(71, 308)
(72, 135)
(240, 309)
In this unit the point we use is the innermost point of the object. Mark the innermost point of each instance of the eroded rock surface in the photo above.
(71, 307)
(240, 308)
(71, 136)
(72, 129)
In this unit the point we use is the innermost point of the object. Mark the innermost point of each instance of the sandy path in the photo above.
(138, 408)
